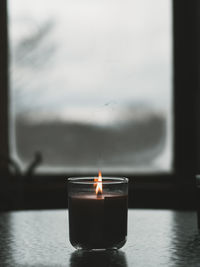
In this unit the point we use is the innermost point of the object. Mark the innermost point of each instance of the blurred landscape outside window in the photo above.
(91, 84)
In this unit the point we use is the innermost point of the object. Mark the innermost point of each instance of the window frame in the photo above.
(156, 190)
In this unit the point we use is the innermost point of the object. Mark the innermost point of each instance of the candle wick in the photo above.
(99, 195)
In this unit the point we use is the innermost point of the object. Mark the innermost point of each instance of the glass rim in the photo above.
(105, 180)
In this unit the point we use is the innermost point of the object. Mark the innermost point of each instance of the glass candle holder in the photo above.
(97, 212)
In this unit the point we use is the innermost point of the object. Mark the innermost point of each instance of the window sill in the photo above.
(50, 192)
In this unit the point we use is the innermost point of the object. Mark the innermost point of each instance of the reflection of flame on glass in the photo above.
(98, 184)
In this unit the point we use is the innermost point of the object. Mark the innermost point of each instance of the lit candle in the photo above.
(98, 212)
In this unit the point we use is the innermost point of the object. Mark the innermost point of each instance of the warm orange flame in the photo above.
(98, 184)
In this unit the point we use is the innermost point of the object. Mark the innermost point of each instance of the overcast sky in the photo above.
(115, 51)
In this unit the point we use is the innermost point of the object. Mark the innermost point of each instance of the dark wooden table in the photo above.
(155, 238)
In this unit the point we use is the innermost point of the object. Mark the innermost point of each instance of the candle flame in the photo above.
(98, 184)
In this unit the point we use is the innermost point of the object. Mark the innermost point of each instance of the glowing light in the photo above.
(98, 184)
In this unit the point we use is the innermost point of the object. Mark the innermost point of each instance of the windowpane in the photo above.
(91, 84)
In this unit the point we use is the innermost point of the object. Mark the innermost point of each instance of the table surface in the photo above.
(155, 238)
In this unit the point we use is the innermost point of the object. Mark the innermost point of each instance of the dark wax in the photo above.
(97, 222)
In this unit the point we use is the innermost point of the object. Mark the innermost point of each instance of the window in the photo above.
(175, 189)
(91, 84)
